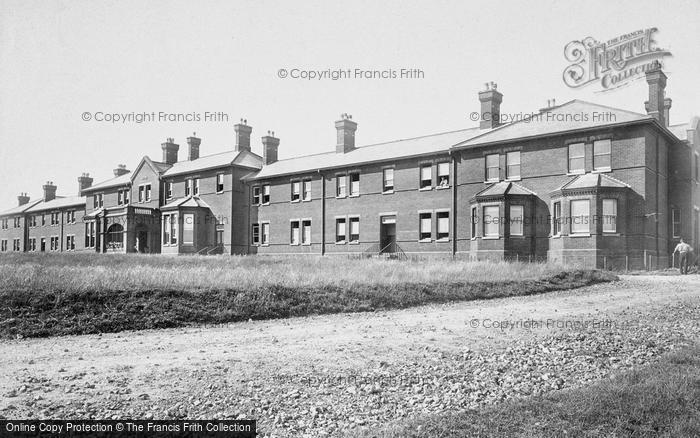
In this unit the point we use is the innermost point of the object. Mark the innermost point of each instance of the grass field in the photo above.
(44, 295)
(660, 400)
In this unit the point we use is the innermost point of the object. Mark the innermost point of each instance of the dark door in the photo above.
(142, 245)
(387, 234)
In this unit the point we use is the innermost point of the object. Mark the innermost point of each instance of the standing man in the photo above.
(684, 250)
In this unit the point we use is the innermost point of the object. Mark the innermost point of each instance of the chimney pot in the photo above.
(242, 131)
(490, 107)
(84, 181)
(170, 151)
(120, 170)
(49, 191)
(193, 147)
(270, 148)
(22, 198)
(345, 134)
(655, 106)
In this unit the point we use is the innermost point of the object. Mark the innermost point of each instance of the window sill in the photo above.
(582, 172)
(442, 187)
(293, 244)
(516, 236)
(306, 200)
(354, 242)
(294, 201)
(219, 192)
(388, 192)
(513, 179)
(555, 236)
(425, 189)
(611, 233)
(491, 238)
(341, 197)
(425, 240)
(443, 239)
(580, 235)
(491, 181)
(353, 196)
(340, 243)
(306, 244)
(603, 170)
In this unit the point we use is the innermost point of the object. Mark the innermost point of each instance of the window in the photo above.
(266, 194)
(443, 170)
(32, 221)
(425, 226)
(170, 230)
(188, 229)
(168, 190)
(426, 176)
(89, 235)
(340, 186)
(256, 234)
(340, 230)
(580, 212)
(256, 195)
(18, 222)
(31, 244)
(443, 225)
(54, 243)
(219, 183)
(491, 222)
(474, 220)
(577, 158)
(388, 178)
(43, 244)
(70, 243)
(294, 233)
(148, 192)
(70, 217)
(3, 224)
(3, 245)
(601, 155)
(354, 230)
(141, 193)
(676, 222)
(513, 165)
(266, 233)
(195, 189)
(516, 220)
(16, 245)
(120, 198)
(98, 200)
(492, 167)
(296, 191)
(188, 187)
(354, 184)
(219, 235)
(306, 187)
(556, 219)
(609, 215)
(306, 232)
(43, 220)
(55, 218)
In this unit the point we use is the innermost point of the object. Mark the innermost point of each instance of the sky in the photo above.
(62, 59)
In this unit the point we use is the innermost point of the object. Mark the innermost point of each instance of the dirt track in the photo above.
(212, 371)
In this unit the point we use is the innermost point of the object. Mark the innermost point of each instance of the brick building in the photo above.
(574, 183)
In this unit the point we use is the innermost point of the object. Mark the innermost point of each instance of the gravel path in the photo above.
(323, 376)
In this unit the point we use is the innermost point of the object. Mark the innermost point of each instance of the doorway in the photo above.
(387, 234)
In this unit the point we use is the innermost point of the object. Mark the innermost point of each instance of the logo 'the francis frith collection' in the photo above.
(613, 63)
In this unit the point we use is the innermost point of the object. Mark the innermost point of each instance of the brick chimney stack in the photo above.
(49, 191)
(667, 110)
(345, 128)
(84, 181)
(170, 151)
(490, 100)
(120, 170)
(193, 147)
(656, 105)
(22, 199)
(270, 146)
(242, 135)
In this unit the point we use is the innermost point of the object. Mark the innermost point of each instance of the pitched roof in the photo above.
(397, 149)
(112, 182)
(58, 202)
(190, 201)
(591, 180)
(680, 130)
(572, 115)
(505, 188)
(20, 208)
(241, 158)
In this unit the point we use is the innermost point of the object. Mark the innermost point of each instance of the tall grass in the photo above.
(86, 272)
